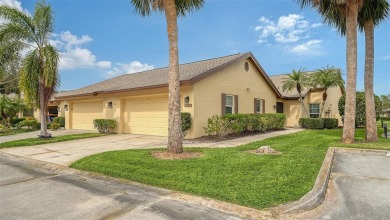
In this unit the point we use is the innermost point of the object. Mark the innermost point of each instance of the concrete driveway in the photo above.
(64, 153)
(359, 188)
(29, 190)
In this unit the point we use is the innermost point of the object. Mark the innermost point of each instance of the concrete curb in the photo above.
(316, 196)
(362, 151)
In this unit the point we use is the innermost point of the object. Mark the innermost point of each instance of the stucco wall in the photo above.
(233, 80)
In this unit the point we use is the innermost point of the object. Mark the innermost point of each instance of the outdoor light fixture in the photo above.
(187, 100)
(109, 104)
(66, 107)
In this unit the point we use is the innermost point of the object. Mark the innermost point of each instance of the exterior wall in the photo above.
(232, 80)
(293, 111)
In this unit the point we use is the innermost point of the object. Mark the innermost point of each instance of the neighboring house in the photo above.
(386, 113)
(139, 101)
(312, 98)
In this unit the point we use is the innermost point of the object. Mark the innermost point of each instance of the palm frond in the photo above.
(21, 19)
(145, 7)
(29, 76)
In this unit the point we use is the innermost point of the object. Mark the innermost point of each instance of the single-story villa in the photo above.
(230, 84)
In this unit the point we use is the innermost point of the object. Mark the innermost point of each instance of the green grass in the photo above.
(232, 174)
(16, 131)
(38, 141)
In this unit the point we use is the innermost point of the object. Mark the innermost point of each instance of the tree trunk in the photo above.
(350, 102)
(371, 130)
(303, 105)
(42, 107)
(324, 97)
(175, 135)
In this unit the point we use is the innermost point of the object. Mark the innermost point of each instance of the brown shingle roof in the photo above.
(278, 82)
(190, 72)
(150, 78)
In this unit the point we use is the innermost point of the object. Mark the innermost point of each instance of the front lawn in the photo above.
(16, 131)
(37, 141)
(232, 174)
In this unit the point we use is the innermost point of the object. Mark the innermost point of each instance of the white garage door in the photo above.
(146, 115)
(84, 113)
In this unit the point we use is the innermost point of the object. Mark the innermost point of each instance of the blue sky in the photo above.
(99, 39)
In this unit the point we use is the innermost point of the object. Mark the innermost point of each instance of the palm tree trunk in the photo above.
(324, 97)
(303, 105)
(350, 102)
(43, 107)
(371, 130)
(175, 136)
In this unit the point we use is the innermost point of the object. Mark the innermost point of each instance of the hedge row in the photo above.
(318, 123)
(238, 123)
(385, 118)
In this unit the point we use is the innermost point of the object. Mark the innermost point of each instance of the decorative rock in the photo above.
(266, 150)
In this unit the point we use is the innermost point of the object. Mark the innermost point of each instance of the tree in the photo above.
(298, 80)
(360, 119)
(172, 9)
(349, 9)
(9, 107)
(326, 78)
(385, 100)
(9, 68)
(39, 71)
(370, 15)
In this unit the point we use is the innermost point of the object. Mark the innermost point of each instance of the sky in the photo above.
(101, 39)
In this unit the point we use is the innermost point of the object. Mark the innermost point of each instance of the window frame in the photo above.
(314, 114)
(260, 102)
(230, 106)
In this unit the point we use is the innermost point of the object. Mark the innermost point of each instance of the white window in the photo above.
(314, 110)
(229, 104)
(258, 106)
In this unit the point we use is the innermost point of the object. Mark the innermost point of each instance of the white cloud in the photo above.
(286, 29)
(73, 55)
(310, 47)
(132, 67)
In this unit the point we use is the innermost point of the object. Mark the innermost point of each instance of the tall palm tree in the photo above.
(39, 71)
(297, 80)
(172, 9)
(327, 78)
(350, 10)
(370, 15)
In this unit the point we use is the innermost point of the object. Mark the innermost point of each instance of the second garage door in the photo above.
(146, 115)
(84, 113)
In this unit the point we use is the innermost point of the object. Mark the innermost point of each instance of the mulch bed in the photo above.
(164, 155)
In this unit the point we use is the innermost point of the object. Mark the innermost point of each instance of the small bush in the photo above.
(59, 120)
(3, 129)
(311, 123)
(14, 121)
(105, 126)
(54, 126)
(330, 123)
(238, 123)
(186, 122)
(30, 124)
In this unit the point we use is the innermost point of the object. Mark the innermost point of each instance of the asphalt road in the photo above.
(30, 190)
(359, 188)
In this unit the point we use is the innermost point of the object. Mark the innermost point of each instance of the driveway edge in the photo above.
(316, 196)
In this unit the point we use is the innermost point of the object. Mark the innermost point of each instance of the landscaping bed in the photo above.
(16, 131)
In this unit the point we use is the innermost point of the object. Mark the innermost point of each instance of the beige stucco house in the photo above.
(138, 101)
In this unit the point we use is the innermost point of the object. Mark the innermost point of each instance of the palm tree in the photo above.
(9, 107)
(298, 80)
(39, 71)
(172, 9)
(350, 10)
(370, 15)
(326, 78)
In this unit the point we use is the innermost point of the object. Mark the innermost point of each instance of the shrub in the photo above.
(3, 129)
(385, 118)
(238, 123)
(59, 120)
(330, 123)
(186, 122)
(312, 123)
(105, 126)
(30, 124)
(14, 121)
(360, 117)
(54, 126)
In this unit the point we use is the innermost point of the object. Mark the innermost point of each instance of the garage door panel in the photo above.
(147, 116)
(84, 113)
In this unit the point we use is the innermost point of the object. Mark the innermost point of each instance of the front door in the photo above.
(279, 107)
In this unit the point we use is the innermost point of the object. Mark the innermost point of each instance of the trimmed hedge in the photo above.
(30, 124)
(186, 122)
(59, 120)
(330, 123)
(385, 118)
(14, 121)
(105, 126)
(318, 123)
(238, 123)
